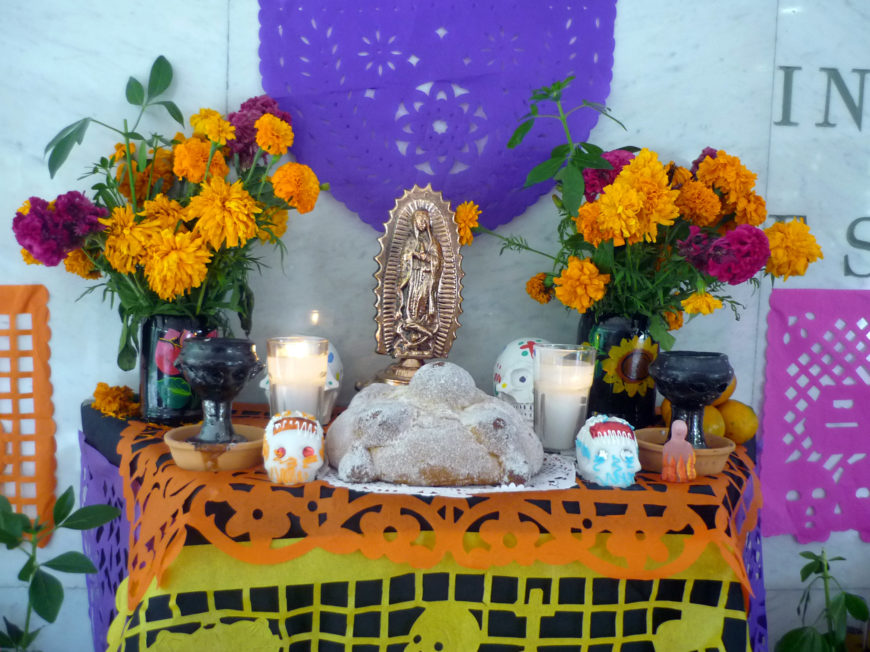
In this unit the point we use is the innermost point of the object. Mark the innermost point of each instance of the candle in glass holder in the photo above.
(563, 377)
(297, 373)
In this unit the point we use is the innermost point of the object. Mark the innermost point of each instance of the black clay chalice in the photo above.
(217, 369)
(691, 380)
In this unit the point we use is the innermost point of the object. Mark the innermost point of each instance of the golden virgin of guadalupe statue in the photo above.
(419, 283)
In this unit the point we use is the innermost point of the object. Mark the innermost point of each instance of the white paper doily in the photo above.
(557, 472)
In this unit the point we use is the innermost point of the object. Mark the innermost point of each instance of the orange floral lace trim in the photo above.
(242, 514)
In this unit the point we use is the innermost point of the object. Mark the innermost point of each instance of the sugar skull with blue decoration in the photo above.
(607, 451)
(513, 376)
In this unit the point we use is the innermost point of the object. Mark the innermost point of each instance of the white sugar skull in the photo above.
(334, 374)
(607, 452)
(513, 375)
(293, 448)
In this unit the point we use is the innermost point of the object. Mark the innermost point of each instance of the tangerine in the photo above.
(724, 396)
(714, 422)
(741, 422)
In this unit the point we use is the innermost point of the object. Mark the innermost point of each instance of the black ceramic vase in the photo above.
(691, 380)
(217, 369)
(164, 394)
(622, 386)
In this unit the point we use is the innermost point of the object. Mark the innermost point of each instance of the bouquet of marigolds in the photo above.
(642, 237)
(173, 224)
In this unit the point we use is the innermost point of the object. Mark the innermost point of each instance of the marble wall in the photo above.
(779, 84)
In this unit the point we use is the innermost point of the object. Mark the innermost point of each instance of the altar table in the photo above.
(228, 560)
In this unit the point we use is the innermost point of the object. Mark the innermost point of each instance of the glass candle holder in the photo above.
(297, 373)
(563, 377)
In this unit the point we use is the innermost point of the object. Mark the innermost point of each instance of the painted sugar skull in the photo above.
(513, 375)
(293, 448)
(607, 451)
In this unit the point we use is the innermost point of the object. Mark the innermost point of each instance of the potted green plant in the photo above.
(44, 590)
(829, 630)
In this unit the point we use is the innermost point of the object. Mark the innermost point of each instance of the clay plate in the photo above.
(708, 461)
(215, 457)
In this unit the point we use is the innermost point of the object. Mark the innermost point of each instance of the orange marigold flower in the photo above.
(28, 257)
(619, 206)
(701, 302)
(699, 204)
(750, 209)
(728, 175)
(227, 213)
(120, 153)
(124, 245)
(273, 134)
(581, 284)
(115, 401)
(176, 263)
(273, 226)
(792, 249)
(210, 124)
(680, 176)
(466, 219)
(588, 224)
(536, 288)
(164, 212)
(674, 319)
(647, 176)
(191, 157)
(296, 184)
(77, 262)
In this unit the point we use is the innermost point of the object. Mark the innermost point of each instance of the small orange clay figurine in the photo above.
(678, 455)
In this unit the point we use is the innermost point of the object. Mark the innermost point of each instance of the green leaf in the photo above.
(90, 516)
(135, 92)
(560, 151)
(806, 554)
(46, 595)
(64, 505)
(543, 171)
(12, 526)
(857, 607)
(15, 632)
(134, 135)
(27, 570)
(5, 505)
(811, 568)
(802, 639)
(173, 110)
(658, 329)
(160, 77)
(573, 188)
(837, 613)
(71, 562)
(61, 149)
(6, 641)
(62, 134)
(520, 133)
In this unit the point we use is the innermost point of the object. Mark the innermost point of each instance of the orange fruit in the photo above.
(724, 396)
(666, 413)
(714, 423)
(741, 422)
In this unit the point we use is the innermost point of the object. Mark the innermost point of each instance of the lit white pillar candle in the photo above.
(563, 377)
(297, 373)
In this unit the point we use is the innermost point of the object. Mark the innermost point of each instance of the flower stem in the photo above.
(564, 120)
(129, 156)
(514, 243)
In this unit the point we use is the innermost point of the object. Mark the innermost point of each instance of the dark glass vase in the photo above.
(164, 394)
(622, 386)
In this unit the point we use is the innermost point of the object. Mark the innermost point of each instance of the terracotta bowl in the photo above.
(215, 457)
(708, 461)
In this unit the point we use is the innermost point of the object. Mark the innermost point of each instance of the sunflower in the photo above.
(627, 365)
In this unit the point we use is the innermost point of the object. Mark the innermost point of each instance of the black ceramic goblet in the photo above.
(217, 369)
(691, 380)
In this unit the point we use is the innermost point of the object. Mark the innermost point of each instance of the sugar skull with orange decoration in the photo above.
(513, 378)
(607, 451)
(293, 448)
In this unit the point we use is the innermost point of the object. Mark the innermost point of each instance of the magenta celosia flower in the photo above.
(597, 180)
(695, 248)
(707, 151)
(738, 255)
(49, 233)
(245, 144)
